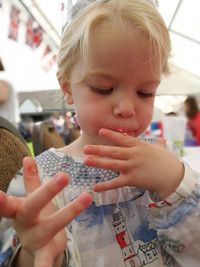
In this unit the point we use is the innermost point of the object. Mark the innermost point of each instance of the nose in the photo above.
(124, 108)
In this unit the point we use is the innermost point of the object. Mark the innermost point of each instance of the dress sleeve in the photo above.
(177, 221)
(9, 245)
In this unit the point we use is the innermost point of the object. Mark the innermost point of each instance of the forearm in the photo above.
(176, 220)
(173, 183)
(180, 206)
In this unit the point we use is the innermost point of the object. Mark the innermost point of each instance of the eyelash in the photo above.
(145, 95)
(103, 91)
(107, 91)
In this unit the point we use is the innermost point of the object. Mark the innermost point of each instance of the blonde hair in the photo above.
(141, 14)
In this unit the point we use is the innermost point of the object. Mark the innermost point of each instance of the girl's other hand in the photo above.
(39, 225)
(152, 167)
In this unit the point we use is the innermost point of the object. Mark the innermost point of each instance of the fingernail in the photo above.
(88, 160)
(87, 148)
(85, 199)
(31, 170)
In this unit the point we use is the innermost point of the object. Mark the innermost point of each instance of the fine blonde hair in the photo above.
(140, 14)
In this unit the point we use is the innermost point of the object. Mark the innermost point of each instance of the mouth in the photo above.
(120, 130)
(124, 131)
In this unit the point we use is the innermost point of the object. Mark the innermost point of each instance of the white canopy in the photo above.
(181, 16)
(183, 21)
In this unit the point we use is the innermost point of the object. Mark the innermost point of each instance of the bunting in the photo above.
(34, 33)
(33, 36)
(14, 23)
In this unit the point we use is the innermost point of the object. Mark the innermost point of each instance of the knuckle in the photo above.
(115, 165)
(115, 152)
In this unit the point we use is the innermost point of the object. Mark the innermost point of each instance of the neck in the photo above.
(75, 148)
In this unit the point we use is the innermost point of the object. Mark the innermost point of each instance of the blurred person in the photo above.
(58, 121)
(192, 113)
(66, 126)
(8, 98)
(26, 128)
(72, 129)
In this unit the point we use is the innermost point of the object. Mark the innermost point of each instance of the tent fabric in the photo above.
(183, 21)
(181, 17)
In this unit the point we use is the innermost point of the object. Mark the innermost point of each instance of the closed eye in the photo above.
(103, 91)
(145, 94)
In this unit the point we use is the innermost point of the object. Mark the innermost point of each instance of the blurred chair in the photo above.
(13, 149)
(45, 136)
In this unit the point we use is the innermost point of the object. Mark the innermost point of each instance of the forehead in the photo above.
(122, 49)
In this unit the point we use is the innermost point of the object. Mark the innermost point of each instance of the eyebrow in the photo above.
(100, 73)
(111, 77)
(153, 81)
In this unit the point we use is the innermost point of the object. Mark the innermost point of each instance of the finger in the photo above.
(112, 184)
(36, 201)
(31, 178)
(105, 163)
(8, 205)
(107, 151)
(118, 138)
(64, 216)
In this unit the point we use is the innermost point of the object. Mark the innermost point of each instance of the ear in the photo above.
(65, 87)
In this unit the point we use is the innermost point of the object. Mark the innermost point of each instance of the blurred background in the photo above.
(30, 33)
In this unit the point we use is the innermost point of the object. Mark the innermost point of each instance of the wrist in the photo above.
(170, 185)
(23, 258)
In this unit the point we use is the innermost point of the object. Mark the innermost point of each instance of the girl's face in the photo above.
(118, 87)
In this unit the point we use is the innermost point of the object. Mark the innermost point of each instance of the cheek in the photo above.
(145, 117)
(87, 116)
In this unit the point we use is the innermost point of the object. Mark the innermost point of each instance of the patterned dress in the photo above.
(126, 226)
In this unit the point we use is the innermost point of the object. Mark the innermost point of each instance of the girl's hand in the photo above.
(140, 164)
(39, 226)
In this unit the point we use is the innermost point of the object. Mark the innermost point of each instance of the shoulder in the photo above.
(49, 154)
(3, 82)
(51, 161)
(4, 91)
